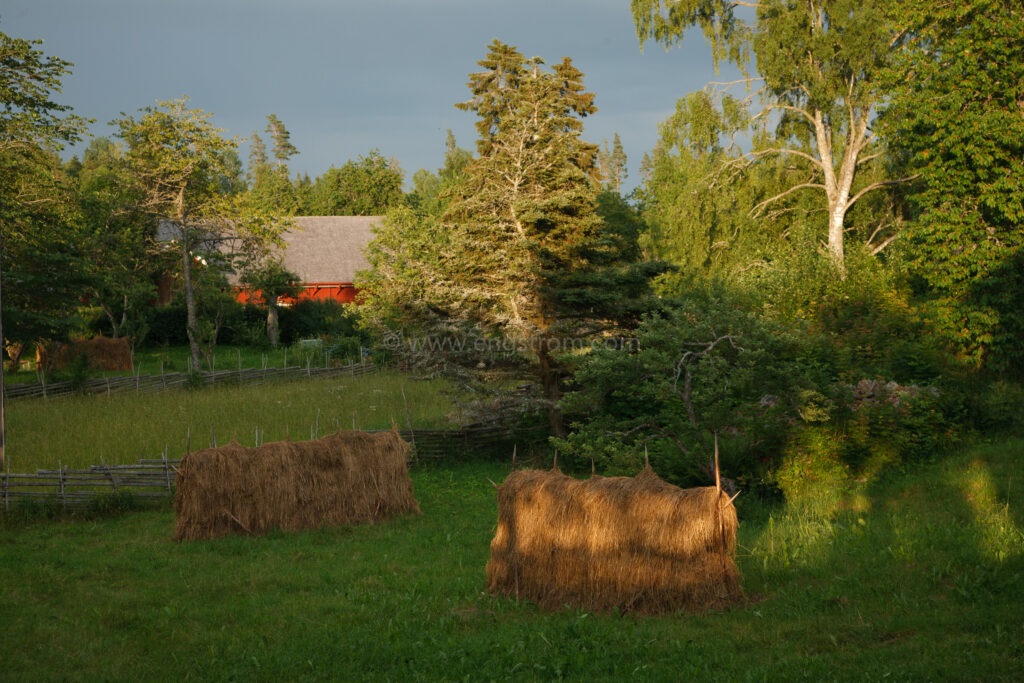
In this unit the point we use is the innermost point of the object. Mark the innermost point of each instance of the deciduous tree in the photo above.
(819, 64)
(956, 113)
(181, 166)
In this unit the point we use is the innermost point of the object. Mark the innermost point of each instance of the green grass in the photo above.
(80, 430)
(917, 578)
(155, 360)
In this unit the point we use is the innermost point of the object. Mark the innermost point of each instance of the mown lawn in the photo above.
(917, 578)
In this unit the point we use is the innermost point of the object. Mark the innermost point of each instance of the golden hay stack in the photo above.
(340, 479)
(637, 544)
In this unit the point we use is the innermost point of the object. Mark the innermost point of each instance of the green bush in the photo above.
(703, 367)
(310, 318)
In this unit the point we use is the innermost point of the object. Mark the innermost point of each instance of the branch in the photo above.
(886, 242)
(756, 209)
(880, 184)
(786, 150)
(788, 107)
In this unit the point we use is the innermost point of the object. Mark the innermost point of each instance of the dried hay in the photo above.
(636, 544)
(343, 478)
(103, 353)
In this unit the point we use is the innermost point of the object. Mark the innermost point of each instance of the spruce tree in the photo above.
(523, 257)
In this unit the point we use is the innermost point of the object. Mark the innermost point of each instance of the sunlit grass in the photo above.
(156, 360)
(78, 431)
(924, 580)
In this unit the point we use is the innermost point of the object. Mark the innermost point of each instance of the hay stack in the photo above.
(637, 544)
(340, 479)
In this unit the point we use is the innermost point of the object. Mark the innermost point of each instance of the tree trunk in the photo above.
(273, 326)
(192, 320)
(836, 219)
(552, 392)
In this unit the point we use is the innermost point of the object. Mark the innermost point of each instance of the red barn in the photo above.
(326, 252)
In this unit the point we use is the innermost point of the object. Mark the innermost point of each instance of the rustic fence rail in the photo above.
(154, 478)
(178, 380)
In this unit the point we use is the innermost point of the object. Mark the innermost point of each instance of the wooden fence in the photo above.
(177, 380)
(154, 478)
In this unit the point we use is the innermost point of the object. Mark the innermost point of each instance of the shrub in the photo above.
(704, 367)
(313, 318)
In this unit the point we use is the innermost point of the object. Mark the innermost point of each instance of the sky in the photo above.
(349, 76)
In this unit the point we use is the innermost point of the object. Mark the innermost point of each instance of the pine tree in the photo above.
(258, 162)
(283, 147)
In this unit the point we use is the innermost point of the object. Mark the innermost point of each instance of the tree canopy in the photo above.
(818, 68)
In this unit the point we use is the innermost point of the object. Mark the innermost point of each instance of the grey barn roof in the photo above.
(328, 248)
(318, 248)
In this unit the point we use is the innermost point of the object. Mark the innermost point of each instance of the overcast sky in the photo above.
(347, 76)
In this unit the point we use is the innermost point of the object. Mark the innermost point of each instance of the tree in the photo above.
(258, 161)
(956, 113)
(124, 258)
(270, 187)
(273, 281)
(180, 165)
(368, 186)
(30, 125)
(521, 260)
(697, 217)
(613, 164)
(283, 147)
(819, 64)
(431, 190)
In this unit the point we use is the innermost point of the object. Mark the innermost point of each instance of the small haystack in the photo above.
(637, 544)
(343, 478)
(102, 353)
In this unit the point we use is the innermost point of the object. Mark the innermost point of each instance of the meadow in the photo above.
(918, 578)
(79, 431)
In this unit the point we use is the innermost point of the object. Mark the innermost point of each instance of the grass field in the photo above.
(918, 578)
(80, 430)
(155, 360)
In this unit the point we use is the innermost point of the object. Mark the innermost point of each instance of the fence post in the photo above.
(167, 471)
(110, 474)
(60, 478)
(7, 483)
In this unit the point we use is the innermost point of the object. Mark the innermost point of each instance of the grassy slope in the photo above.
(918, 578)
(122, 428)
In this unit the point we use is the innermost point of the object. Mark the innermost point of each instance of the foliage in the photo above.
(29, 118)
(43, 266)
(273, 281)
(703, 367)
(955, 114)
(699, 218)
(368, 186)
(612, 164)
(432, 192)
(311, 318)
(185, 173)
(521, 260)
(271, 190)
(125, 260)
(819, 64)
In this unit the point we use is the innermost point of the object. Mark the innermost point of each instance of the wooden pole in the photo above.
(167, 470)
(408, 419)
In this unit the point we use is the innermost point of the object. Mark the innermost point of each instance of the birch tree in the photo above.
(813, 101)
